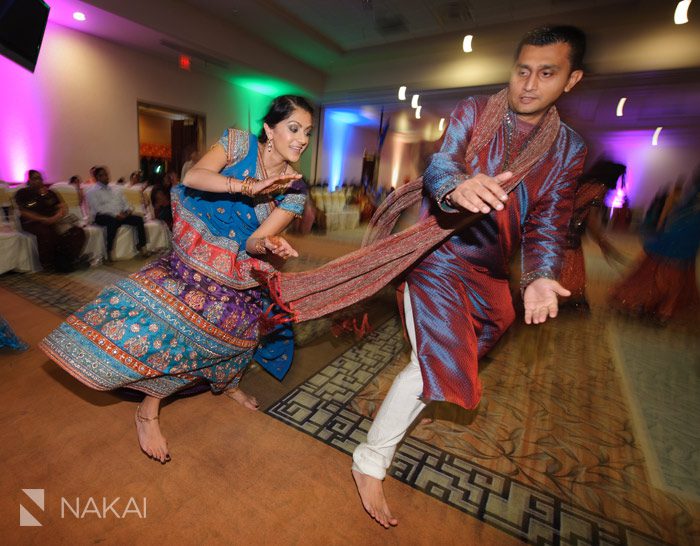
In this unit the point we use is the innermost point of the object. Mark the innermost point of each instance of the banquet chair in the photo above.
(95, 246)
(157, 232)
(18, 249)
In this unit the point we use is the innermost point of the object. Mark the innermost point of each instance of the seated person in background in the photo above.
(44, 215)
(91, 178)
(172, 179)
(75, 181)
(111, 210)
(160, 199)
(192, 157)
(135, 178)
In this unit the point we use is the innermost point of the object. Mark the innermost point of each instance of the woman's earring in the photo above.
(269, 144)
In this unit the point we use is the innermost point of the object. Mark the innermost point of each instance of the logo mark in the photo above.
(25, 518)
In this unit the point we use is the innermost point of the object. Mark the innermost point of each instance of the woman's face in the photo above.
(290, 137)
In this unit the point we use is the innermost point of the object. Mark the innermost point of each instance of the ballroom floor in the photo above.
(588, 432)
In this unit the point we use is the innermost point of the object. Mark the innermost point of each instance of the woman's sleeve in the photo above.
(294, 199)
(223, 142)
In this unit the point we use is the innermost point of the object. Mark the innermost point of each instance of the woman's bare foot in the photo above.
(371, 492)
(151, 440)
(244, 399)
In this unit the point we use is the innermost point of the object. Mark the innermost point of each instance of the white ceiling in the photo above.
(337, 48)
(318, 32)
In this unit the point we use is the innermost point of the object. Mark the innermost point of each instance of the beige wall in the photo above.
(154, 129)
(79, 108)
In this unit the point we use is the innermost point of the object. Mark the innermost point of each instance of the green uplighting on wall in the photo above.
(269, 87)
(251, 96)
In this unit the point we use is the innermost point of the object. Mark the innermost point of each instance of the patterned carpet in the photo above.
(550, 456)
(62, 294)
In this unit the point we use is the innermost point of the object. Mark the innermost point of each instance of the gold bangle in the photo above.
(247, 186)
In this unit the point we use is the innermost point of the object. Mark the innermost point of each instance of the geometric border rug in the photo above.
(321, 408)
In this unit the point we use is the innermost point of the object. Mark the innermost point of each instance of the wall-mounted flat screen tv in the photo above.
(22, 25)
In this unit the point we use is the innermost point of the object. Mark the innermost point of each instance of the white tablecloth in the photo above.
(349, 218)
(18, 252)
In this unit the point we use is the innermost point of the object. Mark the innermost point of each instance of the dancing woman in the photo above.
(199, 313)
(590, 193)
(663, 282)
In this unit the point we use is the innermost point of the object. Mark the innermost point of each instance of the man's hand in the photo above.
(51, 220)
(540, 300)
(480, 193)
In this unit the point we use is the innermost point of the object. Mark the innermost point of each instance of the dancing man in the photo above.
(457, 301)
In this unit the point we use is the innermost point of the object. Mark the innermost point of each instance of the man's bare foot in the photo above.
(151, 440)
(244, 399)
(371, 492)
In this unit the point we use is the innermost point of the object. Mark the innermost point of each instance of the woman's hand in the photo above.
(271, 184)
(279, 247)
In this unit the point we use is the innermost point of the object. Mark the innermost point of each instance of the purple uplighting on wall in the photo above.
(633, 149)
(614, 199)
(22, 140)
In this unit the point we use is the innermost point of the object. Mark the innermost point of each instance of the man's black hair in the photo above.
(548, 35)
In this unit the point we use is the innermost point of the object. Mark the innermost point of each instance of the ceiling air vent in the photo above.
(390, 24)
(453, 12)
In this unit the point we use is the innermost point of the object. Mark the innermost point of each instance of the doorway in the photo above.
(168, 138)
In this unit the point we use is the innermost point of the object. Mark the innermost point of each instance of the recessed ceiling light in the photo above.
(418, 109)
(467, 43)
(680, 17)
(620, 106)
(414, 101)
(441, 125)
(402, 92)
(79, 16)
(655, 138)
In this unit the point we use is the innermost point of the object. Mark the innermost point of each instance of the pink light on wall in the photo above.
(22, 140)
(650, 168)
(630, 148)
(614, 199)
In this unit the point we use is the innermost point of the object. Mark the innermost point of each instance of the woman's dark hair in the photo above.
(604, 171)
(74, 179)
(281, 108)
(548, 35)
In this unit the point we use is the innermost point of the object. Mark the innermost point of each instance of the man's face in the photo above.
(36, 181)
(540, 75)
